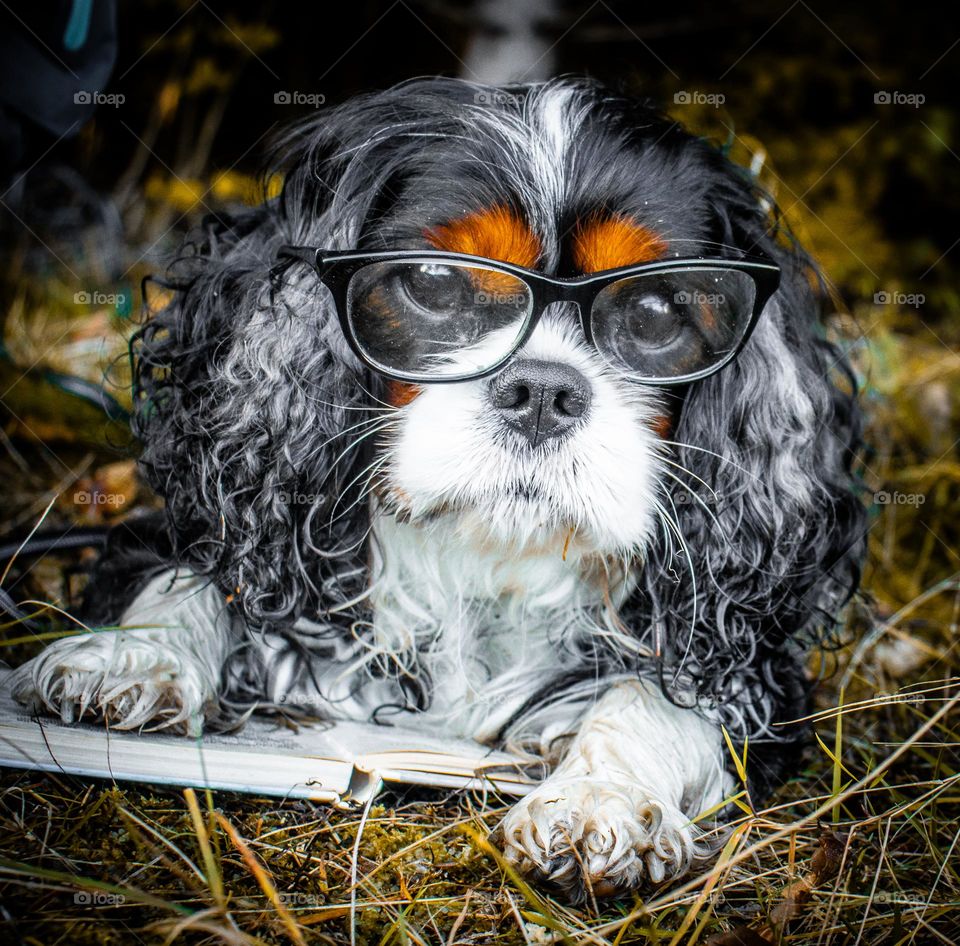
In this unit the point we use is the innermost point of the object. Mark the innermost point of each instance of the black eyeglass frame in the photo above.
(336, 268)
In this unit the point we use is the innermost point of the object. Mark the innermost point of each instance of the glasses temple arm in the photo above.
(306, 254)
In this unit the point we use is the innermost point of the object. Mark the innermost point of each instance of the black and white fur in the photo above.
(322, 549)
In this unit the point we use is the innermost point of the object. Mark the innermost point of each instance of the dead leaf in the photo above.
(824, 864)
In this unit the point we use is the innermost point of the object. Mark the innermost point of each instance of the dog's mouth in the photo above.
(523, 495)
(525, 491)
(519, 506)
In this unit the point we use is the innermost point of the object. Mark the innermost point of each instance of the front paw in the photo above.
(586, 836)
(123, 679)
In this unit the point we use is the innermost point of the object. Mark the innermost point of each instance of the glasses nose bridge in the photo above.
(562, 310)
(553, 291)
(560, 298)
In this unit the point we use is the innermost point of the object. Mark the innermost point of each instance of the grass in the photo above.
(96, 863)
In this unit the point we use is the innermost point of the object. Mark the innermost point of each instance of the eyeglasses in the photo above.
(430, 316)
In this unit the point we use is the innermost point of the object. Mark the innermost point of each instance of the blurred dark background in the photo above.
(199, 83)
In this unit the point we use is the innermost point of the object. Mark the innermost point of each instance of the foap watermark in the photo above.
(301, 700)
(85, 497)
(516, 299)
(912, 699)
(896, 97)
(694, 97)
(98, 898)
(296, 97)
(912, 300)
(684, 497)
(696, 297)
(900, 899)
(96, 97)
(496, 97)
(296, 899)
(296, 498)
(100, 298)
(885, 498)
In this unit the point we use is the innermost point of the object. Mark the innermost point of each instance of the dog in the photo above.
(511, 417)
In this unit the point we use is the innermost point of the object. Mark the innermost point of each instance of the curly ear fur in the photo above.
(773, 520)
(246, 388)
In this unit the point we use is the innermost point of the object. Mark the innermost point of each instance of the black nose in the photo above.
(540, 399)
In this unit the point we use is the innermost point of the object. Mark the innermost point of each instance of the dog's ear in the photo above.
(244, 396)
(773, 520)
(249, 405)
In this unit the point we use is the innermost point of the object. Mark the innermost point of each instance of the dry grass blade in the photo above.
(213, 876)
(263, 879)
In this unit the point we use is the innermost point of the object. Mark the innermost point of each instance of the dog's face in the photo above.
(554, 451)
(557, 450)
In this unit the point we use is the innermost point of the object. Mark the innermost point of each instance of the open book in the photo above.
(344, 763)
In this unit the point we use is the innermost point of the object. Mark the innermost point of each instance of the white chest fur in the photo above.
(482, 627)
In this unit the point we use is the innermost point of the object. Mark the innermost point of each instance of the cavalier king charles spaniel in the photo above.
(512, 417)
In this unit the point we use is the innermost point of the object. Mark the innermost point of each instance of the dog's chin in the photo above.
(524, 520)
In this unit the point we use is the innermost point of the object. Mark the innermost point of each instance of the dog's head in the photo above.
(615, 416)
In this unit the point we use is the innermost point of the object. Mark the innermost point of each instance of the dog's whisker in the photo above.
(385, 424)
(727, 460)
(369, 485)
(675, 526)
(385, 404)
(361, 407)
(370, 421)
(372, 469)
(683, 469)
(302, 385)
(382, 406)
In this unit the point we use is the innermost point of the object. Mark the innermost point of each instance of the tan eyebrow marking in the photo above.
(497, 233)
(611, 242)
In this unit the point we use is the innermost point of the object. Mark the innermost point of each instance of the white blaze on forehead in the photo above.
(553, 121)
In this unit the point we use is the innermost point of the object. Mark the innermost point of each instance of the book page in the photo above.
(339, 762)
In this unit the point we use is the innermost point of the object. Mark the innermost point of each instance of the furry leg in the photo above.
(617, 810)
(162, 667)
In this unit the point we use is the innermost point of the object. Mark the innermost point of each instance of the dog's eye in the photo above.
(652, 320)
(672, 324)
(435, 288)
